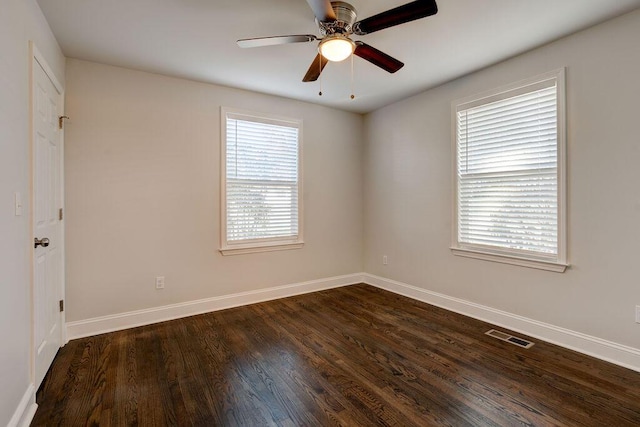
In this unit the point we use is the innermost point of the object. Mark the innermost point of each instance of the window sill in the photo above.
(556, 267)
(250, 249)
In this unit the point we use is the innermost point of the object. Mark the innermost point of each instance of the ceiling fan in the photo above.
(336, 21)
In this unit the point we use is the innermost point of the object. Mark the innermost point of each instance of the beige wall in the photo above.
(142, 155)
(142, 192)
(20, 21)
(408, 190)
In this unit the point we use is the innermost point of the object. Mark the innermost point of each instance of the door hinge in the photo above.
(60, 214)
(61, 121)
(61, 306)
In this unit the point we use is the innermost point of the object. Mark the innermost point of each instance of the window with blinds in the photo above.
(261, 183)
(509, 156)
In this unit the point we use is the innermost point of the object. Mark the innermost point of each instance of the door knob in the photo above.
(44, 242)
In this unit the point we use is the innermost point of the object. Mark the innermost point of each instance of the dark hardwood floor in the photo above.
(352, 356)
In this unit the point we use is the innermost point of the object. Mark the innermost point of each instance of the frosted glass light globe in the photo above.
(336, 48)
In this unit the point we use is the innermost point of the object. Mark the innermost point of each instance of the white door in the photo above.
(47, 225)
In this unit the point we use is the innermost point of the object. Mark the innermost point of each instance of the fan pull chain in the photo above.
(352, 95)
(320, 75)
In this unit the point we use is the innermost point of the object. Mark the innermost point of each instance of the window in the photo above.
(509, 175)
(261, 185)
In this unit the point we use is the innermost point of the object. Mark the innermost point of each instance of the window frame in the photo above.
(264, 244)
(556, 263)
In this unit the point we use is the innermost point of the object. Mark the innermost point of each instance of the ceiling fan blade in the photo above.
(315, 68)
(377, 57)
(323, 10)
(275, 40)
(396, 16)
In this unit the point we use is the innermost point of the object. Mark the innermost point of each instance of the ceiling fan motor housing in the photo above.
(346, 16)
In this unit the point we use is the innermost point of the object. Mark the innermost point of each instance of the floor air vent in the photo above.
(509, 338)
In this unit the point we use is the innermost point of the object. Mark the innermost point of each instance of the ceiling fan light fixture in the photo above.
(337, 47)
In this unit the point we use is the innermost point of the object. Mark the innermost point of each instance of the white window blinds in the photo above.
(261, 174)
(507, 172)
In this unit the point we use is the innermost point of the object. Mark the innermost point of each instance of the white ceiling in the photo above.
(196, 39)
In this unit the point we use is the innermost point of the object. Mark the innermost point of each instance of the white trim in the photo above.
(261, 245)
(628, 357)
(116, 322)
(609, 351)
(502, 90)
(63, 232)
(560, 263)
(563, 224)
(249, 249)
(26, 409)
(45, 66)
(510, 259)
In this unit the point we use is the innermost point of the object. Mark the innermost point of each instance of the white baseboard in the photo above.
(26, 409)
(116, 322)
(619, 354)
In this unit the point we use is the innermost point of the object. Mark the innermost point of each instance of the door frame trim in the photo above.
(36, 56)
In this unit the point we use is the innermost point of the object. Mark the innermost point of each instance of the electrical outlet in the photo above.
(385, 261)
(160, 282)
(637, 313)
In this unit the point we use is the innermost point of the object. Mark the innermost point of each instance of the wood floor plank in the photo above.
(333, 345)
(299, 333)
(559, 390)
(398, 377)
(308, 370)
(126, 390)
(351, 356)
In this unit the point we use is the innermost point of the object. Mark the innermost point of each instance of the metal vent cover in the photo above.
(520, 342)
